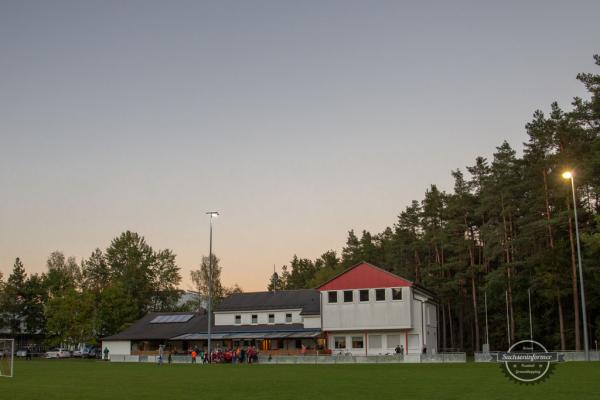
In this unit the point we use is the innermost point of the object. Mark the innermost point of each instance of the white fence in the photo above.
(333, 359)
(150, 359)
(568, 356)
(444, 358)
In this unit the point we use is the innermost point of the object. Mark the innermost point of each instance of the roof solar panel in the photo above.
(170, 319)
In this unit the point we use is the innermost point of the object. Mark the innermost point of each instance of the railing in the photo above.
(379, 359)
(144, 352)
(579, 355)
(316, 359)
(569, 355)
(457, 357)
(295, 352)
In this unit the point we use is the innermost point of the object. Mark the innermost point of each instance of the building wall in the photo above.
(382, 333)
(415, 339)
(117, 347)
(311, 321)
(357, 315)
(373, 342)
(431, 326)
(424, 332)
(228, 318)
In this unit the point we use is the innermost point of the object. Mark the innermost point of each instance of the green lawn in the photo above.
(81, 379)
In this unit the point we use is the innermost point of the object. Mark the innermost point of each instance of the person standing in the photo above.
(250, 354)
(194, 354)
(161, 353)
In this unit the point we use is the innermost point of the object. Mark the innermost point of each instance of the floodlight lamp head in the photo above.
(567, 175)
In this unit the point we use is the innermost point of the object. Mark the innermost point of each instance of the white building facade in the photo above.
(363, 311)
(369, 311)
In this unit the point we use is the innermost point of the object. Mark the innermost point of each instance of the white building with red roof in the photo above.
(369, 311)
(363, 311)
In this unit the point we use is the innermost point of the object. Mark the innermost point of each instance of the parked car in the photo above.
(21, 353)
(92, 352)
(58, 353)
(86, 352)
(78, 353)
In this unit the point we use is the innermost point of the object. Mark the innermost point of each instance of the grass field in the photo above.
(81, 379)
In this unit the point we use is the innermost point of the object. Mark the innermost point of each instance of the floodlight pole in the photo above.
(586, 345)
(487, 334)
(12, 359)
(530, 318)
(507, 319)
(210, 284)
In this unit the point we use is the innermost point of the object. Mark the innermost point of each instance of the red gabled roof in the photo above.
(363, 276)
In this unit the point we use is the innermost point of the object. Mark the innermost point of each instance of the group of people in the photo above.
(238, 355)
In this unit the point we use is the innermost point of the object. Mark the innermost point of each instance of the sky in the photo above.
(296, 120)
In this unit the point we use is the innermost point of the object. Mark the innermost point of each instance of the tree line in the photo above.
(74, 303)
(507, 227)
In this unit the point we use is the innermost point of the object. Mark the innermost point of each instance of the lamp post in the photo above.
(212, 214)
(586, 347)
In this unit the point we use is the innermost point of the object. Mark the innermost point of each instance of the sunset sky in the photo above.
(297, 120)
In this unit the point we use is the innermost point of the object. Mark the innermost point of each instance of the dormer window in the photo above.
(288, 318)
(271, 318)
(238, 319)
(254, 318)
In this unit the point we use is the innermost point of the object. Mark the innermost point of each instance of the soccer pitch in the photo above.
(82, 379)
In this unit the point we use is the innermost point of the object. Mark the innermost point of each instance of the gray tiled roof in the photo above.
(308, 300)
(144, 330)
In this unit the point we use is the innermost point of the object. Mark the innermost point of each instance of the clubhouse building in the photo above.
(363, 311)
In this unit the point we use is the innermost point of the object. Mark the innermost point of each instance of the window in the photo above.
(238, 319)
(363, 295)
(332, 297)
(380, 294)
(288, 317)
(374, 341)
(339, 342)
(393, 341)
(298, 343)
(254, 319)
(396, 293)
(348, 296)
(357, 342)
(271, 318)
